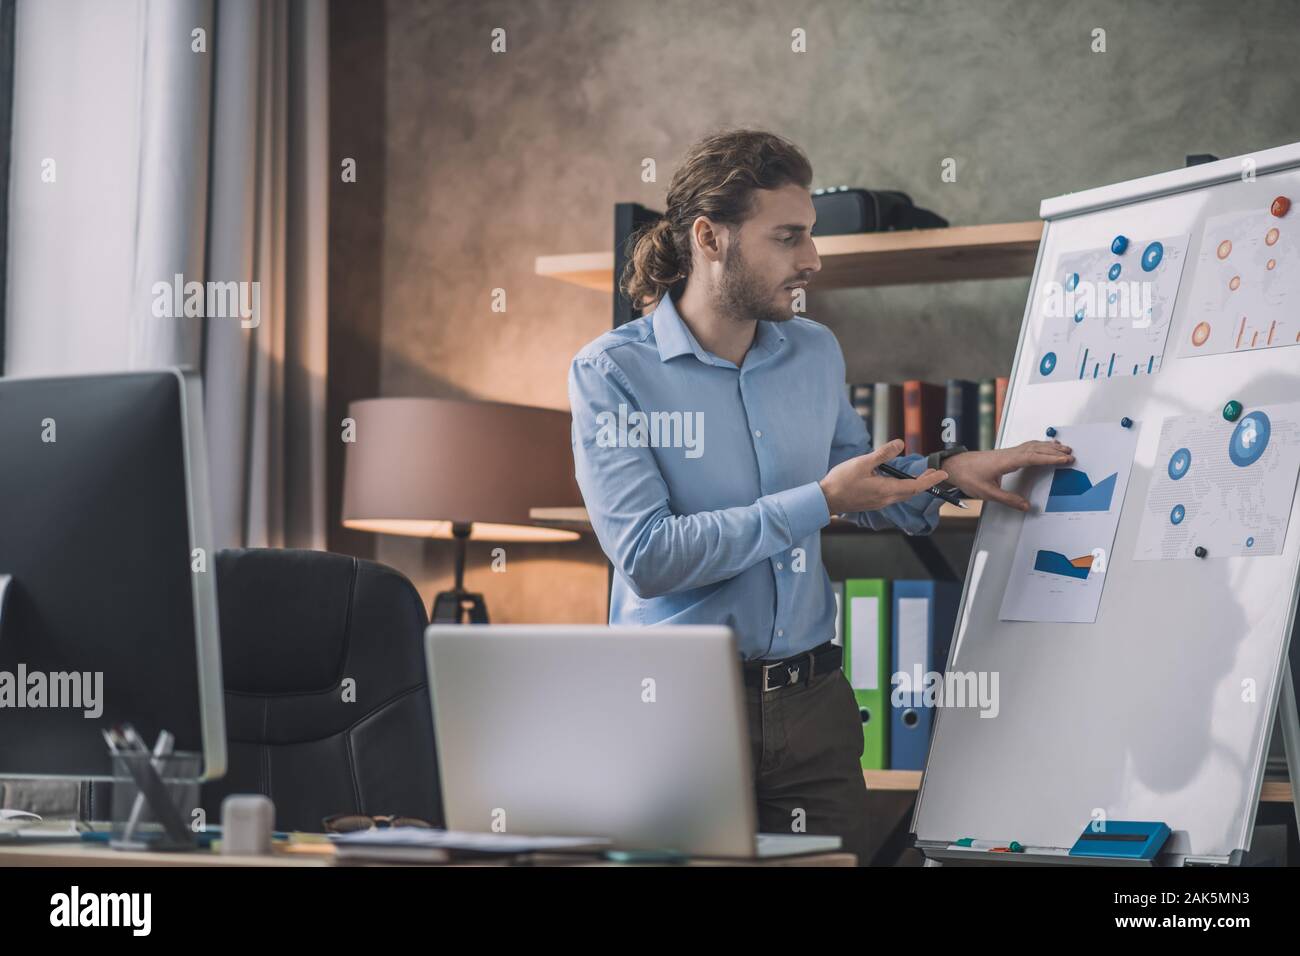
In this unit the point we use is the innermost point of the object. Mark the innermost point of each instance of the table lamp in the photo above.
(453, 468)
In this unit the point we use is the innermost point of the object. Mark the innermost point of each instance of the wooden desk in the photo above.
(97, 854)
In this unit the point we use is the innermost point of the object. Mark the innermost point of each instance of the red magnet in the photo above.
(1280, 206)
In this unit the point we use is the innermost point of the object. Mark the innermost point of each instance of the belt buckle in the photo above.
(766, 669)
(792, 672)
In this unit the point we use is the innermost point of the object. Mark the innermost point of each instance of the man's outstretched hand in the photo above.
(979, 473)
(853, 485)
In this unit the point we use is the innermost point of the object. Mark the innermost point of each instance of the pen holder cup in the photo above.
(136, 824)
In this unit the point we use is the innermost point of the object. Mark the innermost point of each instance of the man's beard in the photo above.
(742, 296)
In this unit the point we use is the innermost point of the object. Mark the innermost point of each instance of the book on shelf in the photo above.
(961, 406)
(886, 413)
(918, 412)
(860, 396)
(988, 414)
(1000, 399)
(924, 404)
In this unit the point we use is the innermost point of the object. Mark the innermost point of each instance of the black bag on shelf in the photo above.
(841, 211)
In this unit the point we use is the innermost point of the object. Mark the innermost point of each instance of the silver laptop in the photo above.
(637, 734)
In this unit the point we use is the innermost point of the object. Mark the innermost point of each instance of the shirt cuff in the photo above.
(805, 509)
(925, 504)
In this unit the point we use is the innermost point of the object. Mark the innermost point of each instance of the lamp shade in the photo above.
(417, 466)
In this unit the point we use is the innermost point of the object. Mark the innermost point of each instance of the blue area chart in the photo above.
(1072, 491)
(1053, 562)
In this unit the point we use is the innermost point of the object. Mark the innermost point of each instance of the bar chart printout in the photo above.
(1106, 314)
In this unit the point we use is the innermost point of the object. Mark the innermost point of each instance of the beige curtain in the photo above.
(190, 138)
(268, 224)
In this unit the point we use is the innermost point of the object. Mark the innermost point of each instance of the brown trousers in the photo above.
(806, 743)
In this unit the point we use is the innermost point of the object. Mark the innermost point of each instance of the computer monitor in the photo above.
(103, 512)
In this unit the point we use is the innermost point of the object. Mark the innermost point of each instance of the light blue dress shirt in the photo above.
(701, 478)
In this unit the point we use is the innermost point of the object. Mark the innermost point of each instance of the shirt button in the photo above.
(780, 566)
(758, 433)
(780, 633)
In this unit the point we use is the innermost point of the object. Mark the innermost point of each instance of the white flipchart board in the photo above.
(1140, 715)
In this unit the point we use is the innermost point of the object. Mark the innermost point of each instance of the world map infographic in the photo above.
(1223, 486)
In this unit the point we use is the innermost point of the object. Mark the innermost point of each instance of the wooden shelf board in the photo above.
(570, 519)
(576, 519)
(892, 779)
(591, 270)
(993, 251)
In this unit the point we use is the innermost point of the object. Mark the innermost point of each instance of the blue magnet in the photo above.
(1114, 272)
(1200, 552)
(1152, 255)
(1179, 462)
(1232, 410)
(1126, 422)
(1051, 432)
(1120, 245)
(1249, 439)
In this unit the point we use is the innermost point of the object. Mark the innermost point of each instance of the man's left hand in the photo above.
(979, 473)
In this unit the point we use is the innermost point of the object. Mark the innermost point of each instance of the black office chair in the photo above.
(295, 626)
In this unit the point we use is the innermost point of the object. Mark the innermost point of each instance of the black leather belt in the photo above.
(799, 669)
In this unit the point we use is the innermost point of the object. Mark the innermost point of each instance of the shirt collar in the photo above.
(674, 338)
(671, 334)
(769, 338)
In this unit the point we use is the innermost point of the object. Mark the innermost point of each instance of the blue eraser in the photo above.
(1128, 839)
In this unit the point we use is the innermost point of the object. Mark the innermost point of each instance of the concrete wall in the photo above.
(493, 159)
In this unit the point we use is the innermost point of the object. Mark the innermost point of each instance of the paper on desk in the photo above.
(465, 840)
(21, 816)
(15, 821)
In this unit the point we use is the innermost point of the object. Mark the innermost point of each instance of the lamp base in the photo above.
(459, 607)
